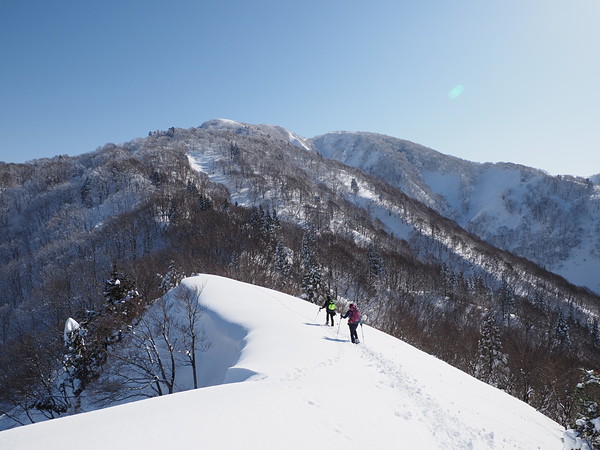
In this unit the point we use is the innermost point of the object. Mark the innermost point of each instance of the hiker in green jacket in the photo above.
(329, 307)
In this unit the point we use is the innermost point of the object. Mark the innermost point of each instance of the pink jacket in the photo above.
(352, 314)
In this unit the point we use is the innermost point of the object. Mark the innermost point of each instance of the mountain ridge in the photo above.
(490, 200)
(306, 386)
(258, 204)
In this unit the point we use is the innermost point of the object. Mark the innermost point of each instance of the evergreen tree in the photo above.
(595, 332)
(282, 264)
(76, 361)
(312, 286)
(116, 288)
(172, 278)
(507, 301)
(562, 334)
(204, 202)
(257, 218)
(449, 278)
(491, 366)
(271, 225)
(587, 424)
(192, 188)
(234, 152)
(539, 301)
(264, 223)
(120, 293)
(275, 224)
(307, 255)
(82, 362)
(86, 192)
(375, 262)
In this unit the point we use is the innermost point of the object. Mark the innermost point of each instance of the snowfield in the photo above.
(277, 378)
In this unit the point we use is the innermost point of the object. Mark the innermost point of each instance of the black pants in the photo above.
(353, 333)
(330, 314)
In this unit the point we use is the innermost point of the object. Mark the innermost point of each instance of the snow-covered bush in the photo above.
(585, 431)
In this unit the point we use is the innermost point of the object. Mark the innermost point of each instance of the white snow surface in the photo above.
(70, 326)
(297, 141)
(298, 384)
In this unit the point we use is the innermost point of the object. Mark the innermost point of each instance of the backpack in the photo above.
(354, 316)
(331, 305)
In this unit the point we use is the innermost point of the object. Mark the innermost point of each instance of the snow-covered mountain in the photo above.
(490, 201)
(261, 204)
(552, 221)
(284, 380)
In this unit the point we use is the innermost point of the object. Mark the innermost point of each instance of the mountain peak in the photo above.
(262, 129)
(221, 124)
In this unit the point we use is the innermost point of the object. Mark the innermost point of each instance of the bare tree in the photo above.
(194, 337)
(28, 384)
(147, 360)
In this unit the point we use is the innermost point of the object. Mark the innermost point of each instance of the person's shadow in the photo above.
(325, 337)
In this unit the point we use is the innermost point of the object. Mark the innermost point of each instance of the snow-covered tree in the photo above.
(265, 222)
(85, 193)
(595, 332)
(120, 293)
(282, 264)
(562, 335)
(204, 202)
(307, 254)
(449, 279)
(77, 362)
(311, 285)
(234, 152)
(275, 224)
(172, 278)
(257, 218)
(587, 424)
(192, 188)
(491, 366)
(507, 301)
(376, 266)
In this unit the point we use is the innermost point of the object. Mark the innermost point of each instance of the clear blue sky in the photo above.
(511, 80)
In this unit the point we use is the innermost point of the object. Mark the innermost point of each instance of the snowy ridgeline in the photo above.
(284, 380)
(551, 221)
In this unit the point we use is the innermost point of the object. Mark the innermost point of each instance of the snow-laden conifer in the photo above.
(585, 431)
(172, 278)
(491, 366)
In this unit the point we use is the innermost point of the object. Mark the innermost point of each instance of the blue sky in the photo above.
(517, 80)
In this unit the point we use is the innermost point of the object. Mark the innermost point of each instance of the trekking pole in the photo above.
(362, 332)
(318, 313)
(339, 323)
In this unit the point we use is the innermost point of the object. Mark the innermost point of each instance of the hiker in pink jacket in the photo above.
(353, 320)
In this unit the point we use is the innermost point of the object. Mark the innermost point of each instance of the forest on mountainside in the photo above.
(552, 221)
(68, 225)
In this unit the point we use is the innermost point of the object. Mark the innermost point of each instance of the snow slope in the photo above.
(552, 221)
(300, 384)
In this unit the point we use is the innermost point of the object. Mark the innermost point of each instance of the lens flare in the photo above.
(456, 91)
